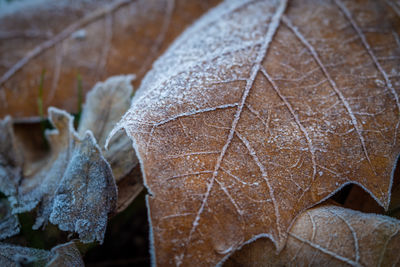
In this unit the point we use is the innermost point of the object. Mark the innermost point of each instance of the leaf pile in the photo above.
(254, 116)
(75, 187)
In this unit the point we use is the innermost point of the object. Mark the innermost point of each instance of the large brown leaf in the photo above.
(329, 236)
(92, 39)
(259, 111)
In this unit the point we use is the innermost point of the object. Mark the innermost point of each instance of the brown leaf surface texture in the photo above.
(66, 255)
(92, 39)
(74, 189)
(329, 236)
(259, 111)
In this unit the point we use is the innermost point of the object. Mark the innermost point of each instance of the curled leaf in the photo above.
(65, 255)
(86, 194)
(329, 236)
(259, 111)
(75, 187)
(105, 105)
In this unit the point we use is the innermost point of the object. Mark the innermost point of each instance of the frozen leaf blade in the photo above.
(75, 187)
(105, 105)
(66, 255)
(86, 194)
(260, 111)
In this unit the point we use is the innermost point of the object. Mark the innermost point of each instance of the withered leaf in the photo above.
(75, 189)
(329, 236)
(66, 255)
(105, 105)
(259, 111)
(88, 39)
(86, 194)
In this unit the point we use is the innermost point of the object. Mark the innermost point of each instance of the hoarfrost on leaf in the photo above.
(62, 255)
(259, 111)
(86, 194)
(75, 184)
(105, 104)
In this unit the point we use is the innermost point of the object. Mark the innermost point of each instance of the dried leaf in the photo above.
(9, 223)
(259, 111)
(62, 255)
(329, 236)
(105, 105)
(75, 189)
(86, 194)
(66, 255)
(12, 255)
(90, 39)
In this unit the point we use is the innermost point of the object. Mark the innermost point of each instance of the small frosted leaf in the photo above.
(329, 236)
(13, 255)
(76, 186)
(40, 188)
(259, 111)
(9, 223)
(104, 107)
(66, 255)
(86, 194)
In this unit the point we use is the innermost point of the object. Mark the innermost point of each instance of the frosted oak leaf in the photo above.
(259, 111)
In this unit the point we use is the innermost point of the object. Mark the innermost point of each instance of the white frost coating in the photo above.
(86, 193)
(75, 188)
(152, 248)
(65, 254)
(184, 61)
(13, 255)
(105, 104)
(157, 76)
